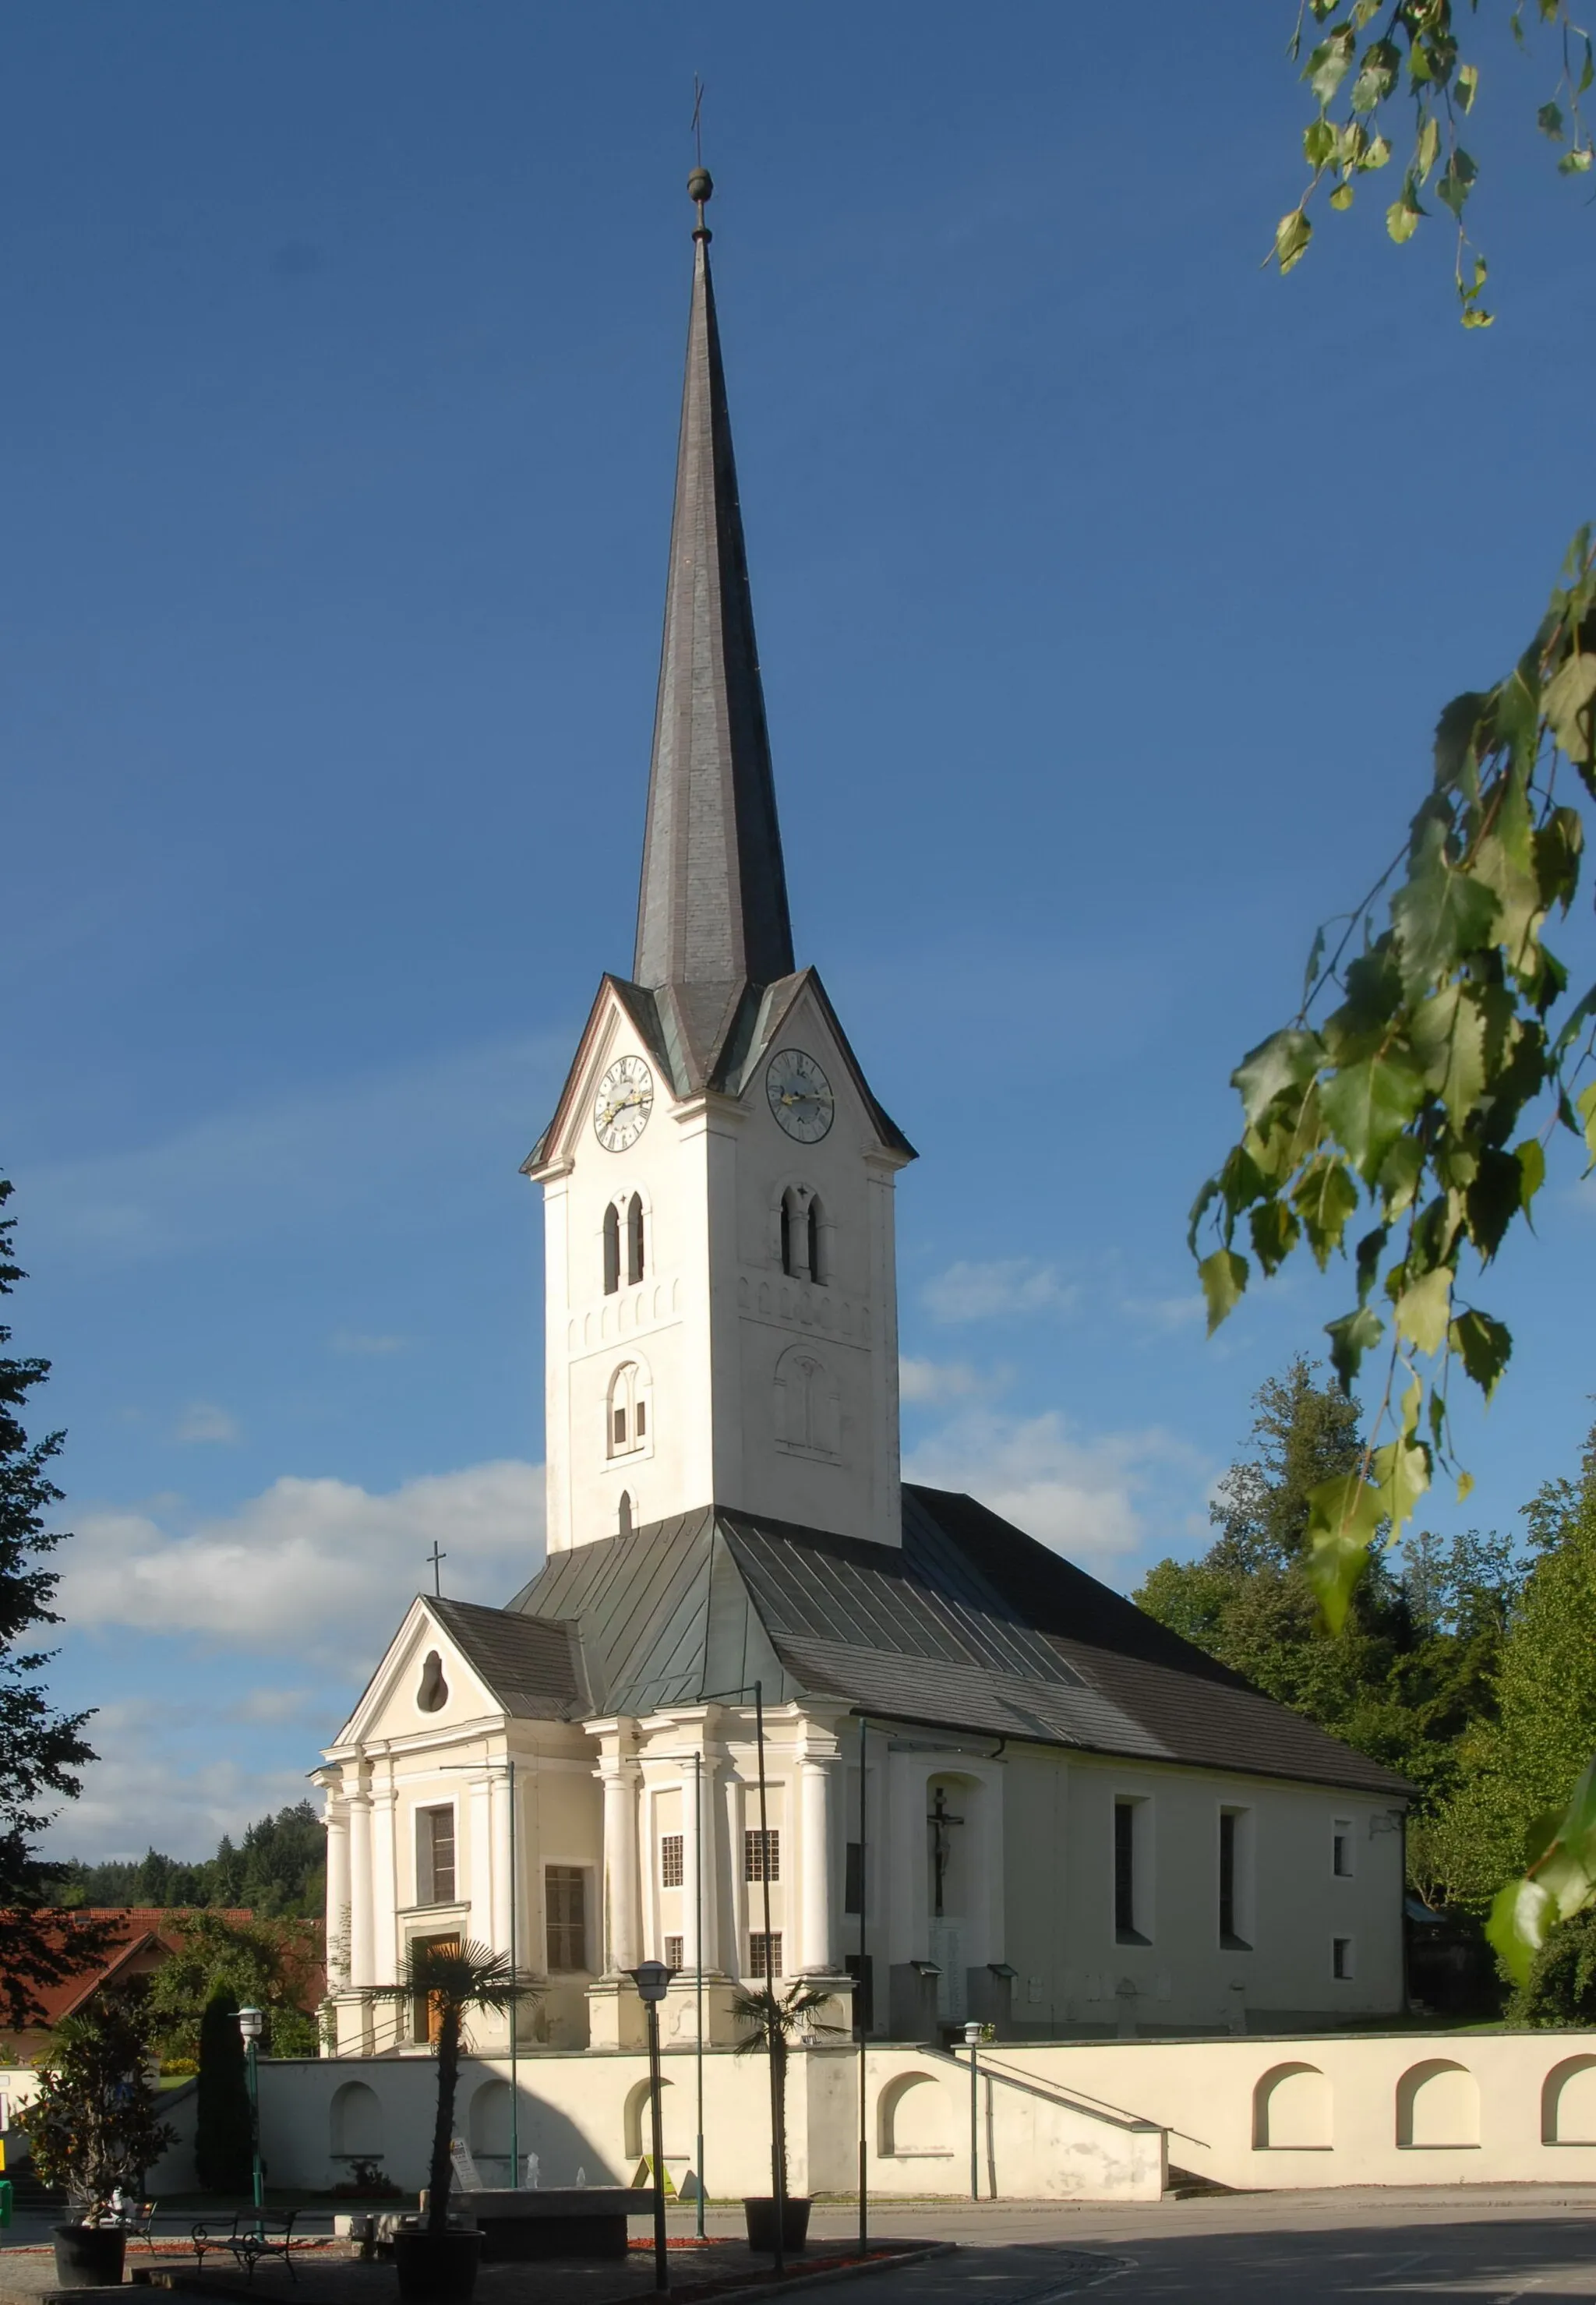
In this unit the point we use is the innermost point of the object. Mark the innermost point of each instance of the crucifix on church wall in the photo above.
(941, 1820)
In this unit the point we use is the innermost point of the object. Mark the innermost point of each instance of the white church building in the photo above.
(991, 1787)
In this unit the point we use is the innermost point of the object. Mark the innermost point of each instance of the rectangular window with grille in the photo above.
(757, 1946)
(670, 1860)
(672, 1955)
(753, 1868)
(565, 1901)
(435, 1855)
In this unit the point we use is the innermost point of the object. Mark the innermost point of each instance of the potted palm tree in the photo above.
(451, 1978)
(773, 2021)
(93, 2130)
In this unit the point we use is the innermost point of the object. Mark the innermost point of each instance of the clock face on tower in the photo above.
(622, 1107)
(800, 1095)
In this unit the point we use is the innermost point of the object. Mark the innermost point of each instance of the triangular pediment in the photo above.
(623, 1019)
(403, 1700)
(799, 1009)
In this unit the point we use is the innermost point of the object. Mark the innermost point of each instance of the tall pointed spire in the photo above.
(712, 911)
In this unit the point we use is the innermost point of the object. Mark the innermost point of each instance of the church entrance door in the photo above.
(423, 2009)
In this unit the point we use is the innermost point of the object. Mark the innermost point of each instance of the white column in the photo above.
(339, 1917)
(907, 1916)
(817, 1942)
(361, 1947)
(734, 1956)
(700, 1800)
(499, 1809)
(484, 1867)
(619, 1774)
(385, 1900)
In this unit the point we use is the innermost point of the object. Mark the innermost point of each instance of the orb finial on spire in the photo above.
(700, 185)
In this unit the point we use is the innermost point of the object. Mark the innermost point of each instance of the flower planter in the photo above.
(760, 2214)
(437, 2268)
(88, 2257)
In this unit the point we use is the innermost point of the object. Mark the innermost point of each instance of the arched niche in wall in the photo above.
(1438, 2105)
(1292, 2111)
(807, 1414)
(1568, 2103)
(914, 2117)
(487, 2124)
(354, 2123)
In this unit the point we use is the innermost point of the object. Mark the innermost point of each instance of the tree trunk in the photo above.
(443, 2133)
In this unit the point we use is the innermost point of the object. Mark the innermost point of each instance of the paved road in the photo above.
(1527, 2244)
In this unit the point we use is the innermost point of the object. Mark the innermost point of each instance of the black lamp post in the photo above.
(252, 2023)
(652, 1980)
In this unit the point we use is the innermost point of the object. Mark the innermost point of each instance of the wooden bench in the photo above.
(253, 2234)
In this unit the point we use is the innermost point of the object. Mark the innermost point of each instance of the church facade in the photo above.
(767, 1711)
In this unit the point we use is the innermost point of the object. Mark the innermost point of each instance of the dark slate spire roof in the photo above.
(712, 912)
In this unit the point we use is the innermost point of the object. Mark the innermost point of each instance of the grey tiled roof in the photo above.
(971, 1626)
(532, 1664)
(712, 910)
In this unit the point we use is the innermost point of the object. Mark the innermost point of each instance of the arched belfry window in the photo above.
(634, 1240)
(800, 1234)
(807, 1413)
(626, 1410)
(612, 1249)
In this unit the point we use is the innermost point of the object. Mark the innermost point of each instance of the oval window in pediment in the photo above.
(433, 1694)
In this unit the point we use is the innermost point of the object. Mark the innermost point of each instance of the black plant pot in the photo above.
(88, 2257)
(761, 2214)
(437, 2268)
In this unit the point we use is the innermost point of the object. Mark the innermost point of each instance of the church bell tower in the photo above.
(721, 1292)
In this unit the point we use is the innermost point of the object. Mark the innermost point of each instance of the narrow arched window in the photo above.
(786, 1232)
(814, 1242)
(625, 1516)
(634, 1240)
(800, 1234)
(626, 1410)
(612, 1249)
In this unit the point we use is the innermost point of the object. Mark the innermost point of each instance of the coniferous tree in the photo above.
(223, 2136)
(41, 1750)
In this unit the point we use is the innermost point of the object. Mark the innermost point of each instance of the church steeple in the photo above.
(712, 912)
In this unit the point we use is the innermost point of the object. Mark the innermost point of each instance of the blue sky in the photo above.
(1107, 589)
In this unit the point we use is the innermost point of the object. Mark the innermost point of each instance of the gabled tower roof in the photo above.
(712, 912)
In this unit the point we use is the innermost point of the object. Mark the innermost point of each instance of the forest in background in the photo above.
(277, 1871)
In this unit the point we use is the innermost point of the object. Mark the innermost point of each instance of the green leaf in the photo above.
(1324, 1197)
(1286, 1059)
(1401, 1471)
(1275, 1234)
(1430, 145)
(1457, 182)
(1371, 1249)
(1344, 1519)
(1447, 1033)
(1440, 914)
(1468, 84)
(1402, 220)
(1521, 1918)
(1341, 198)
(1531, 1157)
(1292, 235)
(1484, 1347)
(1548, 119)
(1493, 1200)
(1319, 143)
(1224, 1276)
(1369, 1105)
(1559, 844)
(1584, 1104)
(1587, 78)
(1399, 1175)
(1569, 705)
(1575, 163)
(1328, 64)
(1423, 1307)
(1375, 76)
(1457, 738)
(1351, 1337)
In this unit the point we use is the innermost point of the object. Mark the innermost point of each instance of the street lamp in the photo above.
(252, 2024)
(972, 2033)
(652, 1980)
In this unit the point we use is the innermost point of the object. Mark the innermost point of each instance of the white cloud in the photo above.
(358, 1340)
(268, 1704)
(1091, 1498)
(929, 1381)
(318, 1568)
(984, 1292)
(1166, 1313)
(202, 1420)
(147, 1791)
